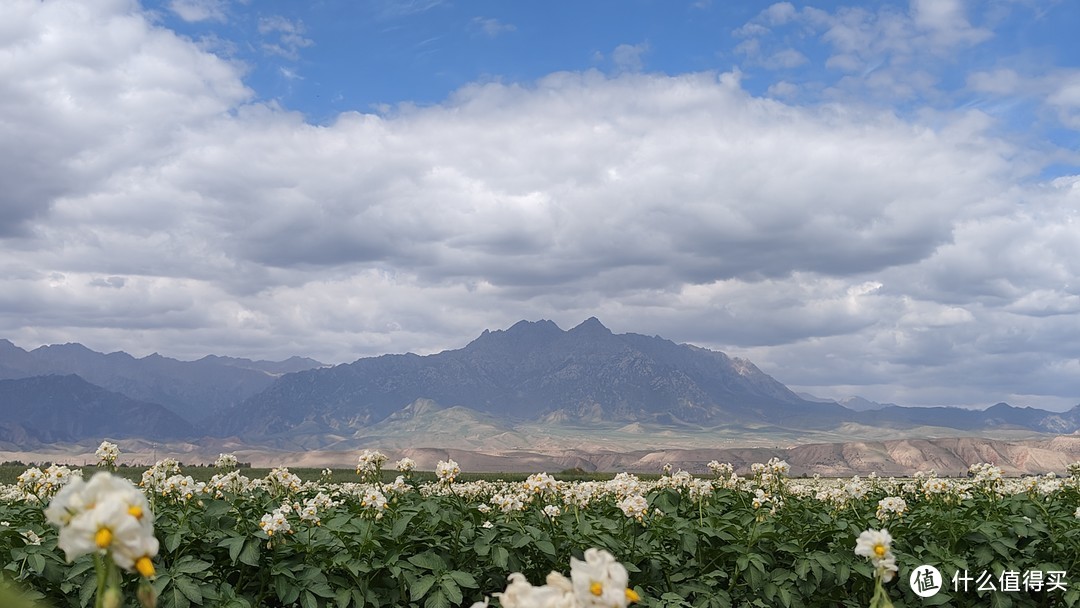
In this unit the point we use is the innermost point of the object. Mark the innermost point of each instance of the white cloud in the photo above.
(286, 37)
(493, 27)
(1002, 81)
(200, 10)
(947, 23)
(628, 57)
(160, 209)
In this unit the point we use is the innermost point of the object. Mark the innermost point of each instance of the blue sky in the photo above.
(874, 199)
(323, 58)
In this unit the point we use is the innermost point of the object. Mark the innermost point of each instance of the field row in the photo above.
(760, 539)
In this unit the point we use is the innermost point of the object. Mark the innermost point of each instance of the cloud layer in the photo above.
(152, 203)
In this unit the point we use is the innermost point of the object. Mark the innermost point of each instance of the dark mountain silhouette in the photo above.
(194, 390)
(58, 408)
(535, 371)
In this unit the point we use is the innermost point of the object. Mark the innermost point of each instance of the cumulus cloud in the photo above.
(836, 245)
(284, 37)
(200, 10)
(493, 27)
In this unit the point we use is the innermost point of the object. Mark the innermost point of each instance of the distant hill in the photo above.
(195, 390)
(529, 385)
(534, 371)
(54, 408)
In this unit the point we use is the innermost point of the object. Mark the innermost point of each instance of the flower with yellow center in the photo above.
(103, 538)
(144, 566)
(876, 546)
(600, 581)
(108, 514)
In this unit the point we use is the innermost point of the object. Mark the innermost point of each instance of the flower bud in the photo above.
(147, 596)
(112, 598)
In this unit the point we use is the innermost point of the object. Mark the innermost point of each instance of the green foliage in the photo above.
(439, 548)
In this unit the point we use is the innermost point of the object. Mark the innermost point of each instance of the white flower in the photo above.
(634, 506)
(275, 523)
(405, 465)
(447, 471)
(31, 537)
(600, 581)
(373, 499)
(370, 462)
(107, 454)
(877, 546)
(557, 593)
(540, 483)
(155, 476)
(226, 461)
(552, 511)
(760, 498)
(282, 481)
(721, 469)
(107, 513)
(891, 505)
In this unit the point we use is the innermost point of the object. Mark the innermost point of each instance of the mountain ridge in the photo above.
(520, 383)
(194, 390)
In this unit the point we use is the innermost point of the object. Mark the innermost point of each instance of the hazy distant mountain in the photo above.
(855, 402)
(192, 389)
(860, 404)
(998, 416)
(288, 366)
(58, 408)
(534, 371)
(512, 387)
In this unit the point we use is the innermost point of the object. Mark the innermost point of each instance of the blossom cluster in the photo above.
(369, 465)
(44, 484)
(107, 514)
(597, 581)
(107, 454)
(447, 471)
(227, 461)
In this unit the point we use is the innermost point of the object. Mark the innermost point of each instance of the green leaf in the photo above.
(174, 598)
(420, 587)
(36, 562)
(190, 566)
(428, 561)
(172, 541)
(500, 556)
(190, 590)
(321, 589)
(286, 590)
(86, 594)
(452, 591)
(342, 597)
(401, 525)
(689, 543)
(464, 579)
(307, 600)
(437, 600)
(939, 599)
(250, 553)
(234, 544)
(546, 547)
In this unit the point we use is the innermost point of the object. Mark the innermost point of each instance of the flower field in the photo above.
(753, 539)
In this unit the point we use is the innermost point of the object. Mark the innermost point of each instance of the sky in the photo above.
(863, 198)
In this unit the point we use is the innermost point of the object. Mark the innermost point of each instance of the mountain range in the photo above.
(532, 375)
